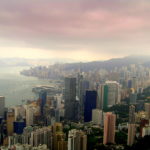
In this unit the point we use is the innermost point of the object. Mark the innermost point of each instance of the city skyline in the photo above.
(74, 75)
(81, 30)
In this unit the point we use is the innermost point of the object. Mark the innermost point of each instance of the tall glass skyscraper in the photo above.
(43, 97)
(90, 103)
(70, 98)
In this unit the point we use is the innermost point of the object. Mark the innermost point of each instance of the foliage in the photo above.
(94, 138)
(122, 112)
(121, 138)
(143, 143)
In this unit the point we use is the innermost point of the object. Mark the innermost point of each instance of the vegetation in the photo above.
(95, 138)
(142, 144)
(122, 112)
(121, 138)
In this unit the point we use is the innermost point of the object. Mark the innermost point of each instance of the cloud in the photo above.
(91, 26)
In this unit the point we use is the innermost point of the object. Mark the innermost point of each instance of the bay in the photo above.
(16, 87)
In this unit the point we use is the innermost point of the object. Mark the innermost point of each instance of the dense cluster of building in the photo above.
(84, 99)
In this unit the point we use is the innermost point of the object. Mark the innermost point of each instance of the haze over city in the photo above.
(74, 75)
(81, 30)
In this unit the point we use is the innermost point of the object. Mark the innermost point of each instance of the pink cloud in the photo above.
(51, 20)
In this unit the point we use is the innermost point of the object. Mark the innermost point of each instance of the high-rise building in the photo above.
(109, 128)
(41, 136)
(79, 87)
(77, 140)
(90, 104)
(97, 116)
(132, 114)
(102, 97)
(108, 94)
(10, 122)
(19, 125)
(29, 116)
(132, 96)
(43, 98)
(58, 135)
(2, 131)
(147, 109)
(2, 106)
(70, 98)
(33, 136)
(113, 93)
(131, 134)
(131, 126)
(82, 85)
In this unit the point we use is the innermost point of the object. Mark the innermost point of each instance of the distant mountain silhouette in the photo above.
(86, 66)
(109, 64)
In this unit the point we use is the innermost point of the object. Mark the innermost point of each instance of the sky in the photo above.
(80, 30)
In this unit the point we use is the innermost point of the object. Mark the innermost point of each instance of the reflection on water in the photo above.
(16, 87)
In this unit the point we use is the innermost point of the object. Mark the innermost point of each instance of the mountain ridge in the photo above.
(85, 66)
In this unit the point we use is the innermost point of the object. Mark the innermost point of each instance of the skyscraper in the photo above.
(58, 135)
(19, 125)
(10, 121)
(131, 125)
(108, 94)
(90, 103)
(42, 97)
(2, 106)
(82, 86)
(102, 98)
(97, 116)
(29, 116)
(113, 93)
(70, 98)
(109, 128)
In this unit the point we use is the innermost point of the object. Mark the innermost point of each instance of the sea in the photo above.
(16, 88)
